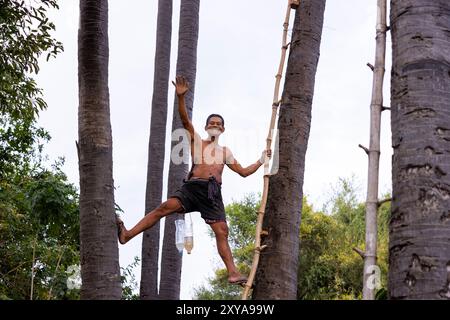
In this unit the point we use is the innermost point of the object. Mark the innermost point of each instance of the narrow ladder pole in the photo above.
(292, 4)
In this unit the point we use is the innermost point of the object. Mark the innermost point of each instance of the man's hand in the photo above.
(181, 85)
(263, 155)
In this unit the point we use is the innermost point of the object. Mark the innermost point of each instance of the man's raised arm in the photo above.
(181, 87)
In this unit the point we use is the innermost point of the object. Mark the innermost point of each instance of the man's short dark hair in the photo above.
(215, 115)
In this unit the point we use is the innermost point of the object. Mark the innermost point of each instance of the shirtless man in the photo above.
(202, 189)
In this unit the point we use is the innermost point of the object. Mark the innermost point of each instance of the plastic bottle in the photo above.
(189, 235)
(179, 234)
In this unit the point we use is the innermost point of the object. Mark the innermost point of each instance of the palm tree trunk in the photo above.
(370, 256)
(277, 273)
(419, 249)
(187, 66)
(156, 149)
(100, 271)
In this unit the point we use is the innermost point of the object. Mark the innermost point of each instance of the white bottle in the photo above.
(179, 234)
(189, 235)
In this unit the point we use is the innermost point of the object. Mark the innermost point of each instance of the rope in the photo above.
(213, 189)
(292, 4)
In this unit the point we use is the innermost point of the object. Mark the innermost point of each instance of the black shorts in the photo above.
(193, 195)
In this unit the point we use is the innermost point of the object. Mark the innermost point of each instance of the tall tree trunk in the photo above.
(419, 249)
(277, 273)
(171, 259)
(156, 149)
(100, 271)
(371, 274)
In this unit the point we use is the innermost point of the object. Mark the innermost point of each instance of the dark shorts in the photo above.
(193, 195)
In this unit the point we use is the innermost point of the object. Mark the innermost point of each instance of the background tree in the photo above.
(100, 270)
(39, 235)
(38, 207)
(25, 35)
(169, 287)
(242, 224)
(156, 149)
(328, 267)
(420, 103)
(129, 282)
(39, 211)
(276, 277)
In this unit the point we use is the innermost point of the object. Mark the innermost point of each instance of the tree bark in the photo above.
(370, 257)
(292, 4)
(187, 66)
(276, 277)
(100, 270)
(156, 150)
(419, 249)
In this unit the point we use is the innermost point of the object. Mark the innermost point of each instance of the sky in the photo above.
(239, 51)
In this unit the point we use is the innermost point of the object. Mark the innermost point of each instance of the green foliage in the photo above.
(242, 225)
(128, 280)
(39, 228)
(339, 265)
(346, 209)
(24, 37)
(241, 218)
(329, 268)
(39, 218)
(219, 288)
(39, 231)
(20, 141)
(384, 213)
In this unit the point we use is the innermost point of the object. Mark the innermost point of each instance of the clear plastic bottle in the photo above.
(179, 234)
(189, 235)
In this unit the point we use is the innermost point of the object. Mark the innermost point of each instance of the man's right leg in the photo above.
(221, 231)
(168, 207)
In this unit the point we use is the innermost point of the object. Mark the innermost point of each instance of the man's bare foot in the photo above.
(121, 231)
(237, 279)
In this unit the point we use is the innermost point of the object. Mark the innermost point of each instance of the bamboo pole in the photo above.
(32, 269)
(56, 270)
(292, 4)
(376, 107)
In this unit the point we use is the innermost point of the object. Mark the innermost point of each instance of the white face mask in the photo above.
(214, 132)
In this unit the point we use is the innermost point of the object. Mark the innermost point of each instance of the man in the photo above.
(202, 189)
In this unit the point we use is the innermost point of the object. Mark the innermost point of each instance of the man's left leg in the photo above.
(220, 229)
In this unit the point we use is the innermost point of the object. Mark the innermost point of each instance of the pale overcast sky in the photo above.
(238, 55)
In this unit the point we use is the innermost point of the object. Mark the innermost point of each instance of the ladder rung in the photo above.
(261, 248)
(295, 4)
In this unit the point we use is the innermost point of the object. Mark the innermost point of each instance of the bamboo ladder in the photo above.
(292, 4)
